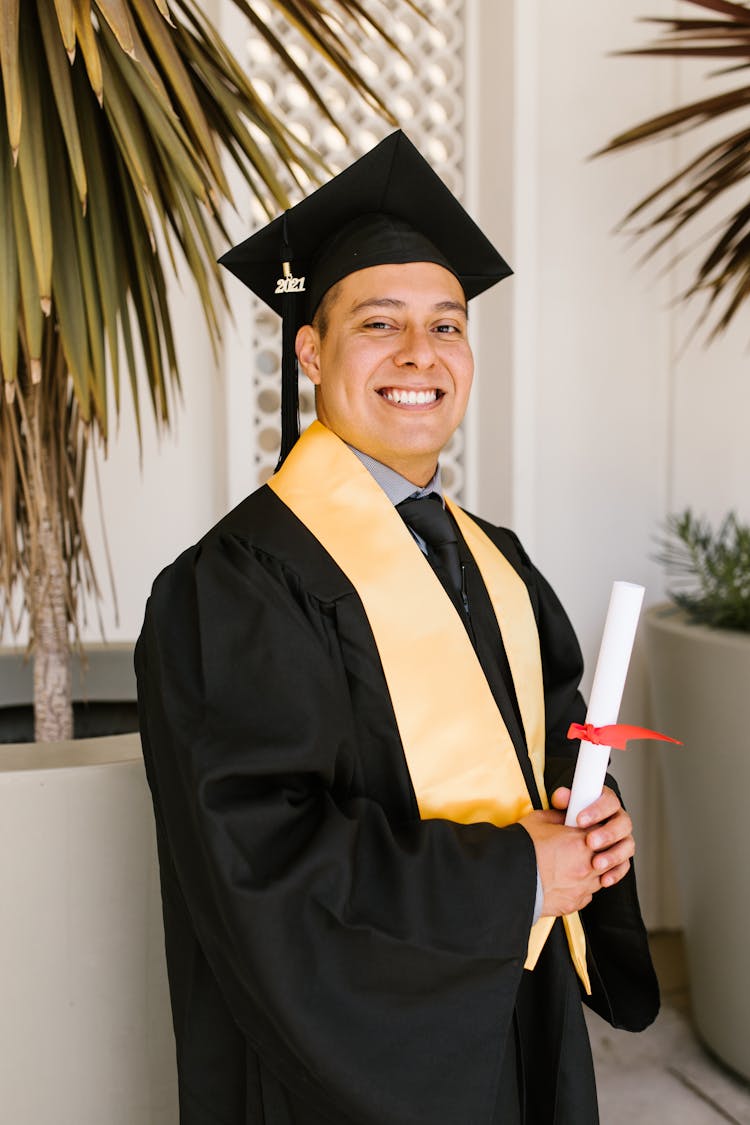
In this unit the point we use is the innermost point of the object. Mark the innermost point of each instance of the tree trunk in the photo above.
(53, 701)
(42, 544)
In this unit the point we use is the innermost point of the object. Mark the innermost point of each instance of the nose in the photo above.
(416, 349)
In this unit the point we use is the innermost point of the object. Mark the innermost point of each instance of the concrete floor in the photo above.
(663, 1076)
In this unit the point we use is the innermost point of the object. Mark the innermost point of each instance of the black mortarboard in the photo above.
(388, 207)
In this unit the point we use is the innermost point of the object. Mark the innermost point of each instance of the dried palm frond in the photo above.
(117, 114)
(723, 274)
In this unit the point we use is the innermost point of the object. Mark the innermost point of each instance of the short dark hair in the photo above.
(323, 311)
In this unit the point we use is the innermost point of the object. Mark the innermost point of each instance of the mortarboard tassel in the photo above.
(289, 373)
(289, 379)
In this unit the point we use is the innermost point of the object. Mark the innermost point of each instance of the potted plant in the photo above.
(116, 116)
(114, 119)
(699, 668)
(699, 646)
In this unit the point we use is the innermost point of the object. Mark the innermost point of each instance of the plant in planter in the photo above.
(712, 569)
(699, 669)
(698, 647)
(117, 113)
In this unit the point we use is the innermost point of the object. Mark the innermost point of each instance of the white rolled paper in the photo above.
(606, 692)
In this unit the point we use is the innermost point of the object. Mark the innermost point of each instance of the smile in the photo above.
(403, 397)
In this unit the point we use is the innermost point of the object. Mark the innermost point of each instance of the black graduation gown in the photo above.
(333, 958)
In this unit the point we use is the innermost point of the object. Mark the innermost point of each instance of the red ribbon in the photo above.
(616, 735)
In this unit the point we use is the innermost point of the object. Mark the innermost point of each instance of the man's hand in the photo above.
(575, 862)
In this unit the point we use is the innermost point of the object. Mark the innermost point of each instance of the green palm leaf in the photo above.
(8, 316)
(9, 13)
(32, 319)
(722, 274)
(34, 177)
(59, 73)
(66, 19)
(117, 15)
(89, 42)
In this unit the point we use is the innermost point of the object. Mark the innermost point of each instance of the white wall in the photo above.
(617, 422)
(596, 418)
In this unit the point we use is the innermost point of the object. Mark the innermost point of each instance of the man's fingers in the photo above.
(603, 836)
(615, 874)
(560, 799)
(602, 809)
(573, 863)
(613, 857)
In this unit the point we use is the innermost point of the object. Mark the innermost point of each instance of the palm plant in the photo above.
(723, 274)
(117, 114)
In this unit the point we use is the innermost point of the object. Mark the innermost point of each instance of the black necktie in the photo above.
(429, 519)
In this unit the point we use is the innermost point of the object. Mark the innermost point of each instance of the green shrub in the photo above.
(710, 569)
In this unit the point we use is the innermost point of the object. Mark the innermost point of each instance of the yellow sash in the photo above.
(461, 759)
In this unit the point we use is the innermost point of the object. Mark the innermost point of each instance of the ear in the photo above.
(307, 347)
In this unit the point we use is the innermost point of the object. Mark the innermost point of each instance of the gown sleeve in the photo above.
(625, 990)
(377, 962)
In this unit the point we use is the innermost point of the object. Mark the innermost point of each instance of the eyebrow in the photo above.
(393, 303)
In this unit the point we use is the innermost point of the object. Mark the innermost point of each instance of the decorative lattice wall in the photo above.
(425, 90)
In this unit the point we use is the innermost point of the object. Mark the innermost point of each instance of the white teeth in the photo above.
(409, 398)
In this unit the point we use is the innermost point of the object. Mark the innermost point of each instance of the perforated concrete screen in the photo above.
(425, 90)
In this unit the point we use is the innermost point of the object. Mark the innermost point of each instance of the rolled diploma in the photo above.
(606, 692)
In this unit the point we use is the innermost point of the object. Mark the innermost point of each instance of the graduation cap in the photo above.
(387, 208)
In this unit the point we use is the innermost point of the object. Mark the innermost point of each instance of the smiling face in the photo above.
(393, 369)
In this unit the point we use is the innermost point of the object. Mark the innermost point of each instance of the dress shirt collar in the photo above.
(396, 487)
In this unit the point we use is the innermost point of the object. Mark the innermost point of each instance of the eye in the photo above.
(378, 324)
(448, 329)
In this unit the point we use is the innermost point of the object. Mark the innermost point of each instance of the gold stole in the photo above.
(461, 759)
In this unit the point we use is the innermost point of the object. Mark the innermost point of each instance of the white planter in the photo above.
(700, 683)
(85, 1028)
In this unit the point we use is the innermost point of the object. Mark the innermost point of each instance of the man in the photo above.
(352, 713)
